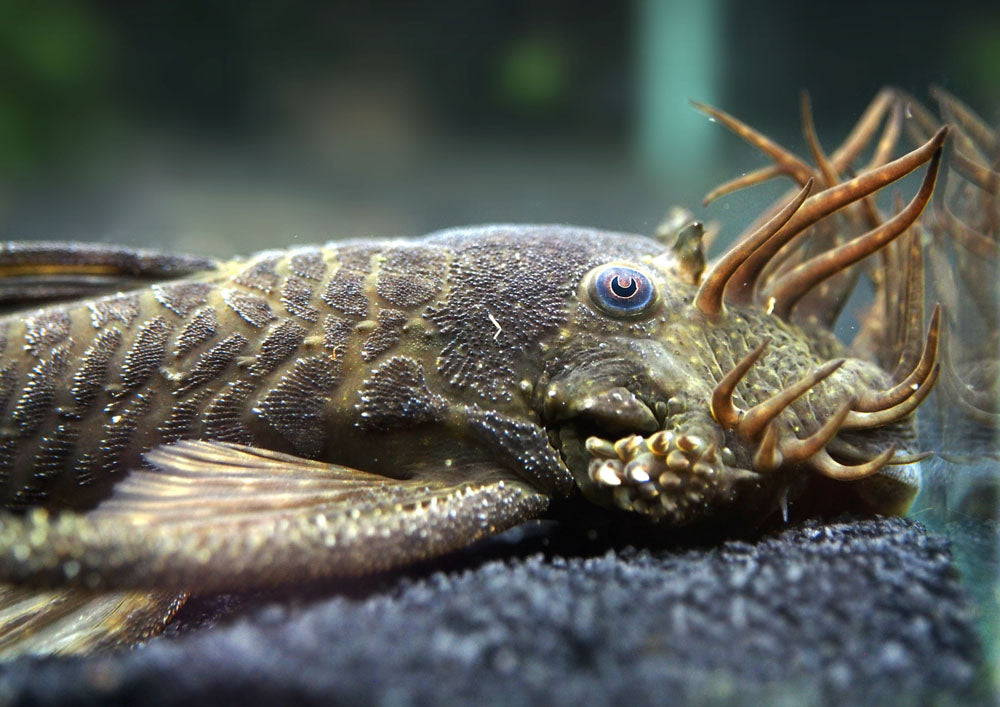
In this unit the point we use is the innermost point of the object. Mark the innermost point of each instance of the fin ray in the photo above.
(286, 520)
(33, 273)
(72, 621)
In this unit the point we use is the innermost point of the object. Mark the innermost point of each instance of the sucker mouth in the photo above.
(616, 413)
(616, 445)
(668, 478)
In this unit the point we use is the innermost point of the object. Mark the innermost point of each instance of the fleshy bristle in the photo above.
(882, 400)
(825, 203)
(783, 158)
(753, 422)
(796, 284)
(709, 299)
(831, 468)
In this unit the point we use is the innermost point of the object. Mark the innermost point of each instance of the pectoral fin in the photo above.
(37, 273)
(212, 516)
(77, 621)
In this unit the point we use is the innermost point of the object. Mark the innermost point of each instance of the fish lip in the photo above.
(610, 413)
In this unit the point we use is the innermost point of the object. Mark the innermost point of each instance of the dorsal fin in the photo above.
(35, 273)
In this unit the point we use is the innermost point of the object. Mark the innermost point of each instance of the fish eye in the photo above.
(621, 291)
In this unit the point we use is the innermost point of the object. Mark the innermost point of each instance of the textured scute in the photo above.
(395, 395)
(118, 433)
(92, 374)
(145, 355)
(294, 407)
(411, 275)
(212, 363)
(261, 273)
(119, 307)
(54, 453)
(8, 385)
(39, 391)
(183, 297)
(280, 344)
(182, 416)
(386, 335)
(522, 277)
(406, 291)
(345, 292)
(308, 263)
(223, 418)
(864, 612)
(336, 333)
(296, 296)
(199, 329)
(253, 309)
(44, 330)
(356, 255)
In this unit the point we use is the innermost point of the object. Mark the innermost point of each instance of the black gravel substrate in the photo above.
(855, 612)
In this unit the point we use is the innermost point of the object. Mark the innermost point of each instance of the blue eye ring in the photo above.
(621, 291)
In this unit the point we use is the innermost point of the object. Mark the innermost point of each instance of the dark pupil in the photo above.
(624, 286)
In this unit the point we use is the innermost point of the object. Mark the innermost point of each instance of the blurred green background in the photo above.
(224, 127)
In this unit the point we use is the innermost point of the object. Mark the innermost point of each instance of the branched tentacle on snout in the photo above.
(739, 278)
(760, 425)
(776, 445)
(795, 267)
(774, 450)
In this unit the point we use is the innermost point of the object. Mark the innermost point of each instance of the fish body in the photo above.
(339, 353)
(368, 354)
(175, 426)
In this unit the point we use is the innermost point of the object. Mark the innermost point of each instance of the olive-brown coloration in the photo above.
(348, 408)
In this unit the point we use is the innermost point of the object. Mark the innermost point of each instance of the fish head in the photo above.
(625, 395)
(660, 410)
